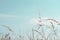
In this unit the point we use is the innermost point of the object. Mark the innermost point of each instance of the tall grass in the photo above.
(37, 34)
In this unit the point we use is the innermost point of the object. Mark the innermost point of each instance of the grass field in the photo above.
(43, 32)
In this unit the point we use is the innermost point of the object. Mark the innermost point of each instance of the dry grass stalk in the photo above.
(5, 38)
(48, 36)
(8, 28)
(54, 21)
(6, 35)
(33, 34)
(52, 25)
(53, 28)
(29, 37)
(40, 34)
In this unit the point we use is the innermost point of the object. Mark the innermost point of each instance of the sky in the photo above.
(18, 13)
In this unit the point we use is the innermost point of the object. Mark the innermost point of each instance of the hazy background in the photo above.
(18, 13)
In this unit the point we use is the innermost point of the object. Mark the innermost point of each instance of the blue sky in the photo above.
(18, 13)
